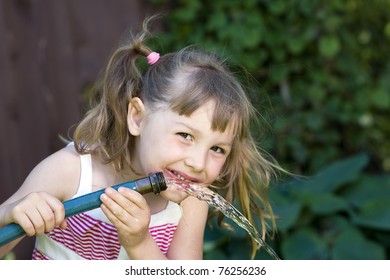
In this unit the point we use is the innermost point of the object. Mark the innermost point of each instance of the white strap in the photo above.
(85, 181)
(85, 184)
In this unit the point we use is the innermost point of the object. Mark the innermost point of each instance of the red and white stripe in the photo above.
(93, 239)
(163, 235)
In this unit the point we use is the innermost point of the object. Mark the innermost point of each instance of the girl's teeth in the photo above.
(179, 176)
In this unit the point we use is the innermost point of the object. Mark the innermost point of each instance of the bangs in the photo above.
(202, 84)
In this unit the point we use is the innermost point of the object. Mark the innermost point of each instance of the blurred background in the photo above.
(318, 73)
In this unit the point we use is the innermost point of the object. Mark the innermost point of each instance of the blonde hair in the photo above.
(184, 81)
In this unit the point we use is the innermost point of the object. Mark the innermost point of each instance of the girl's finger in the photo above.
(121, 216)
(37, 222)
(113, 208)
(26, 224)
(135, 197)
(52, 212)
(47, 216)
(113, 219)
(57, 209)
(126, 199)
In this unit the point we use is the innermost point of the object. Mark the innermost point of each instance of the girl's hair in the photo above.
(183, 81)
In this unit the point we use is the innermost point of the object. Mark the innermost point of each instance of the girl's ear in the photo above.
(135, 115)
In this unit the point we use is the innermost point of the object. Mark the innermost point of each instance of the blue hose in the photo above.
(153, 183)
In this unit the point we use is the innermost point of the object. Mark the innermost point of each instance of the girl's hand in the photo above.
(36, 213)
(129, 212)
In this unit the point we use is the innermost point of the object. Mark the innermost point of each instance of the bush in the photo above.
(323, 67)
(339, 213)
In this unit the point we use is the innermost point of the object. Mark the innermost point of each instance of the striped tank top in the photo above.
(91, 235)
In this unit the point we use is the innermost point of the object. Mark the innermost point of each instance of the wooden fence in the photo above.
(50, 51)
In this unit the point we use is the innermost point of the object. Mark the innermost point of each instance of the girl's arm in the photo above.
(36, 206)
(188, 240)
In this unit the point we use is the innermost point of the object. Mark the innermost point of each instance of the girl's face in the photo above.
(180, 146)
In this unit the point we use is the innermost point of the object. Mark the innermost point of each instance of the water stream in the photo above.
(218, 202)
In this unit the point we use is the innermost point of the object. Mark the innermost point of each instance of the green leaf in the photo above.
(352, 245)
(216, 254)
(331, 226)
(380, 98)
(343, 171)
(326, 204)
(329, 46)
(286, 210)
(216, 21)
(278, 72)
(212, 234)
(317, 94)
(252, 38)
(368, 188)
(374, 214)
(296, 45)
(186, 14)
(304, 244)
(277, 7)
(287, 215)
(314, 121)
(252, 61)
(239, 249)
(334, 176)
(383, 237)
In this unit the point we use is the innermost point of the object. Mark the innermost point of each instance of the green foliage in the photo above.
(339, 213)
(323, 68)
(341, 210)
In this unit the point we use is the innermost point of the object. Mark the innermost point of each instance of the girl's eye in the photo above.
(186, 136)
(218, 150)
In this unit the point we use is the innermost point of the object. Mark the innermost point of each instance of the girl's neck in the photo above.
(104, 175)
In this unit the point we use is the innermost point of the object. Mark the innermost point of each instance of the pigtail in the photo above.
(104, 129)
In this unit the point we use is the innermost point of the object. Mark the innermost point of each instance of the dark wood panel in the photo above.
(50, 51)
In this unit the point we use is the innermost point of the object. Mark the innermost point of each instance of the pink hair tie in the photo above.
(153, 57)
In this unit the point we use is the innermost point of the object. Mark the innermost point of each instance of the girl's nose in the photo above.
(196, 160)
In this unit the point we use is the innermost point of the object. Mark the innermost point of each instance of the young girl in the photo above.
(186, 116)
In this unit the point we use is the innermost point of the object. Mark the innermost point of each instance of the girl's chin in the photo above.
(173, 195)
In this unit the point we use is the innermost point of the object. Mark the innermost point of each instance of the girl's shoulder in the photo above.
(66, 158)
(57, 174)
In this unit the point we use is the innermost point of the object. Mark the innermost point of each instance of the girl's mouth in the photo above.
(181, 181)
(177, 175)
